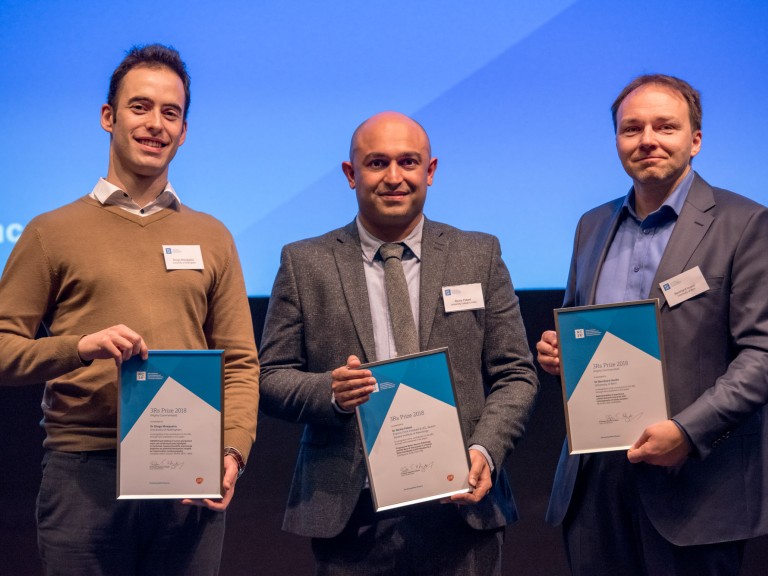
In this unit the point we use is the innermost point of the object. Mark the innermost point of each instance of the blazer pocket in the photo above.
(710, 296)
(714, 283)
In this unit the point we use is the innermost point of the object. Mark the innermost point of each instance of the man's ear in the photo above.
(696, 143)
(183, 136)
(349, 172)
(107, 118)
(431, 170)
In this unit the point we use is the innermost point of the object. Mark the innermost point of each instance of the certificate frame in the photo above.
(411, 432)
(170, 425)
(613, 373)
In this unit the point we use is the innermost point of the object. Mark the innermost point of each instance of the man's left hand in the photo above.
(479, 480)
(661, 444)
(228, 487)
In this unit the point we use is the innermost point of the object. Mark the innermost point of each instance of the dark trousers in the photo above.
(607, 531)
(83, 530)
(425, 539)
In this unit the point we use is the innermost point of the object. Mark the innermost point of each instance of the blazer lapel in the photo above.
(598, 252)
(349, 264)
(434, 255)
(691, 226)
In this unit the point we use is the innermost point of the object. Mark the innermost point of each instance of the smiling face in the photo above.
(146, 125)
(655, 140)
(390, 169)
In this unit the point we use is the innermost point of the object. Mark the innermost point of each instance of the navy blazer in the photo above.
(319, 314)
(716, 347)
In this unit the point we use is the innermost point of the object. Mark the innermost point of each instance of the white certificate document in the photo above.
(613, 377)
(170, 422)
(411, 432)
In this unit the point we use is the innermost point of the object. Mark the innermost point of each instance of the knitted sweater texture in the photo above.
(85, 267)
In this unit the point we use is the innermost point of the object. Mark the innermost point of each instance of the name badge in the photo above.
(684, 286)
(183, 257)
(463, 297)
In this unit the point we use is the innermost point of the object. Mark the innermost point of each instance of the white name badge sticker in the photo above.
(463, 297)
(183, 257)
(684, 286)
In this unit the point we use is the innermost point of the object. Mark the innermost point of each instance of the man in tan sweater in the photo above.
(93, 274)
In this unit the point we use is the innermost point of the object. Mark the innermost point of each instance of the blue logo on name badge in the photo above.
(447, 291)
(666, 287)
(168, 251)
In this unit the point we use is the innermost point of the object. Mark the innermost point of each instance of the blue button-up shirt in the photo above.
(636, 250)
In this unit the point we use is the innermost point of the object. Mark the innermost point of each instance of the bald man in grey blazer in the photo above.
(327, 315)
(692, 488)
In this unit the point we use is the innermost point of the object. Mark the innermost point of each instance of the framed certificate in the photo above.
(613, 376)
(411, 431)
(170, 425)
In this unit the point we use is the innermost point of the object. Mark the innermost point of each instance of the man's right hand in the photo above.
(351, 386)
(117, 342)
(548, 352)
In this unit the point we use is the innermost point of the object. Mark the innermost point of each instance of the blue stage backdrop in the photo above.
(515, 96)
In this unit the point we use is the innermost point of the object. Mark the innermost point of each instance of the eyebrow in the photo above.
(654, 119)
(409, 154)
(148, 99)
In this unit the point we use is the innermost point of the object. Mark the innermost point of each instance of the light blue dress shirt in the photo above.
(636, 250)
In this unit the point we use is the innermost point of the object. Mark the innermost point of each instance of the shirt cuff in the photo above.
(337, 408)
(487, 456)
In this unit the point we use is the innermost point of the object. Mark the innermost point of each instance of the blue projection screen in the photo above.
(515, 97)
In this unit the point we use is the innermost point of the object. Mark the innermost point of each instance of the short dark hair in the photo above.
(688, 92)
(152, 56)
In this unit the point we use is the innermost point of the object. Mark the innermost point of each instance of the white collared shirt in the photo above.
(110, 195)
(377, 294)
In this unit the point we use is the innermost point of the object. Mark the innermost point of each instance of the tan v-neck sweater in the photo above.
(85, 267)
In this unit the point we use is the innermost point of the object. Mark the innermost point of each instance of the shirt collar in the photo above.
(673, 202)
(110, 195)
(370, 244)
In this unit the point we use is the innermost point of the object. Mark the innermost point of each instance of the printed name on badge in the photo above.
(684, 286)
(183, 257)
(463, 297)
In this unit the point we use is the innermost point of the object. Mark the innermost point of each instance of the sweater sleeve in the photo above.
(228, 327)
(27, 294)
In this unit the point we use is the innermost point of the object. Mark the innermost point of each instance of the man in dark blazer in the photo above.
(692, 488)
(328, 314)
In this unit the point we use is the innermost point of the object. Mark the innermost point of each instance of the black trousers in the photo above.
(82, 529)
(606, 530)
(424, 539)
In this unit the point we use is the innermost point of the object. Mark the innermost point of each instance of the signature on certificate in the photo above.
(416, 467)
(625, 417)
(166, 464)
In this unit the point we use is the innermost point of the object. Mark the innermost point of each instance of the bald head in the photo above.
(382, 122)
(390, 167)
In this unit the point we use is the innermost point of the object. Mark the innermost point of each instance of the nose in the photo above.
(648, 137)
(393, 175)
(154, 119)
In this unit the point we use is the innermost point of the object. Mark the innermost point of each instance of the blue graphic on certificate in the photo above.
(170, 425)
(411, 432)
(613, 373)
